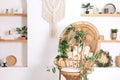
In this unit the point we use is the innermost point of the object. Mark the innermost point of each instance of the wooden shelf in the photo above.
(9, 67)
(109, 40)
(25, 15)
(100, 15)
(17, 40)
(111, 67)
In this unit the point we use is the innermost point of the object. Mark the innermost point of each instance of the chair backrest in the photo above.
(92, 34)
(91, 38)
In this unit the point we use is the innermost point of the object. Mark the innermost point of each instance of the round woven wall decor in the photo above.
(105, 60)
(11, 60)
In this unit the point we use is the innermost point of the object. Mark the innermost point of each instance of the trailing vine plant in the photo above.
(64, 41)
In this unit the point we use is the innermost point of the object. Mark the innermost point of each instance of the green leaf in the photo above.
(53, 69)
(83, 6)
(58, 57)
(71, 37)
(48, 69)
(59, 67)
(85, 76)
(69, 28)
(87, 5)
(81, 43)
(63, 45)
(114, 30)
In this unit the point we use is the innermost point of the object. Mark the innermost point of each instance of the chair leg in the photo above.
(59, 75)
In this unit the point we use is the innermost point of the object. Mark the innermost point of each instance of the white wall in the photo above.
(42, 49)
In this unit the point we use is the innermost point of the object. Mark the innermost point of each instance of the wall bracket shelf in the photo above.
(109, 40)
(16, 40)
(100, 15)
(24, 15)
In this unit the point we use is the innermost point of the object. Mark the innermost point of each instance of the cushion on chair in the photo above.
(69, 69)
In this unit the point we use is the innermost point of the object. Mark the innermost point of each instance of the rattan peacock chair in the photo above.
(76, 34)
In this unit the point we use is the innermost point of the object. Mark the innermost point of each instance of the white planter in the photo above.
(113, 36)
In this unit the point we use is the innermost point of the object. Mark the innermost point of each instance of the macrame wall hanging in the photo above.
(53, 11)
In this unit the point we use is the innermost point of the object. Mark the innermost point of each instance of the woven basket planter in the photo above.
(117, 61)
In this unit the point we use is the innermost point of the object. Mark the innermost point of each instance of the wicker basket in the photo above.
(117, 61)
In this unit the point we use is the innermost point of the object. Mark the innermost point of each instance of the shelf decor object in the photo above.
(114, 34)
(117, 61)
(22, 31)
(109, 8)
(87, 7)
(105, 60)
(11, 60)
(101, 37)
(77, 48)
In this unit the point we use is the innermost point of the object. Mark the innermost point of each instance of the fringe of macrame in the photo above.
(53, 29)
(53, 13)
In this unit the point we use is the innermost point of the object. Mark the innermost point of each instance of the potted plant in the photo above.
(87, 7)
(22, 31)
(114, 34)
